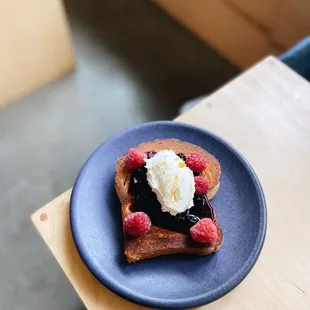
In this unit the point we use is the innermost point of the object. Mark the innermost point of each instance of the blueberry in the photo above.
(189, 221)
(148, 203)
(197, 174)
(200, 201)
(135, 186)
(140, 172)
(138, 182)
(182, 156)
(192, 219)
(200, 205)
(182, 216)
(150, 154)
(141, 202)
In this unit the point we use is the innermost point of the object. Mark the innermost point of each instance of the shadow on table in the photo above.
(161, 54)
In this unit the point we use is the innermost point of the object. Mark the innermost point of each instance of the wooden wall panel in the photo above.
(292, 22)
(35, 46)
(243, 31)
(284, 21)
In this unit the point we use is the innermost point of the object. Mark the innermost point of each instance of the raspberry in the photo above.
(134, 159)
(201, 185)
(204, 231)
(196, 162)
(137, 224)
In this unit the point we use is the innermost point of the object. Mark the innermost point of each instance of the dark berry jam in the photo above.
(182, 156)
(150, 154)
(146, 201)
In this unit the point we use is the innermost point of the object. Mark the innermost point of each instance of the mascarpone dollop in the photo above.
(172, 181)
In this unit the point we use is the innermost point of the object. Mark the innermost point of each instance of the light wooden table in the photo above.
(265, 113)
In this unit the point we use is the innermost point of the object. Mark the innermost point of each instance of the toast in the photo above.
(160, 241)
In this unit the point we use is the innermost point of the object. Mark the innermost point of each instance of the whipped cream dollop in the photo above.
(172, 181)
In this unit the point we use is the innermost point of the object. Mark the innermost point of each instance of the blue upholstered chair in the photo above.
(297, 58)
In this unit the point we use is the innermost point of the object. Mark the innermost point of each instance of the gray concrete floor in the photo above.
(135, 64)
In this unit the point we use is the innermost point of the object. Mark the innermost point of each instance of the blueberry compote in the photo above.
(146, 201)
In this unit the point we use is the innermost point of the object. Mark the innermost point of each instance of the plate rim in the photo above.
(199, 300)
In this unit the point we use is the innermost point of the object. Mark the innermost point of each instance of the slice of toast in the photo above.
(159, 241)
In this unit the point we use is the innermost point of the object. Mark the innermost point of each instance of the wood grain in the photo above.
(292, 22)
(265, 113)
(285, 22)
(243, 31)
(35, 46)
(52, 222)
(221, 27)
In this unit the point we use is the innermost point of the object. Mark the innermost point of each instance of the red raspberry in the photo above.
(201, 185)
(137, 224)
(134, 159)
(196, 162)
(204, 231)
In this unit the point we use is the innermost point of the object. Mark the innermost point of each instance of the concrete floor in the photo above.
(134, 65)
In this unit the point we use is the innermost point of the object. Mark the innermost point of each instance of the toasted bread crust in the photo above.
(160, 241)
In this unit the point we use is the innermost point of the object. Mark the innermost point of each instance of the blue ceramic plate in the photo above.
(176, 281)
